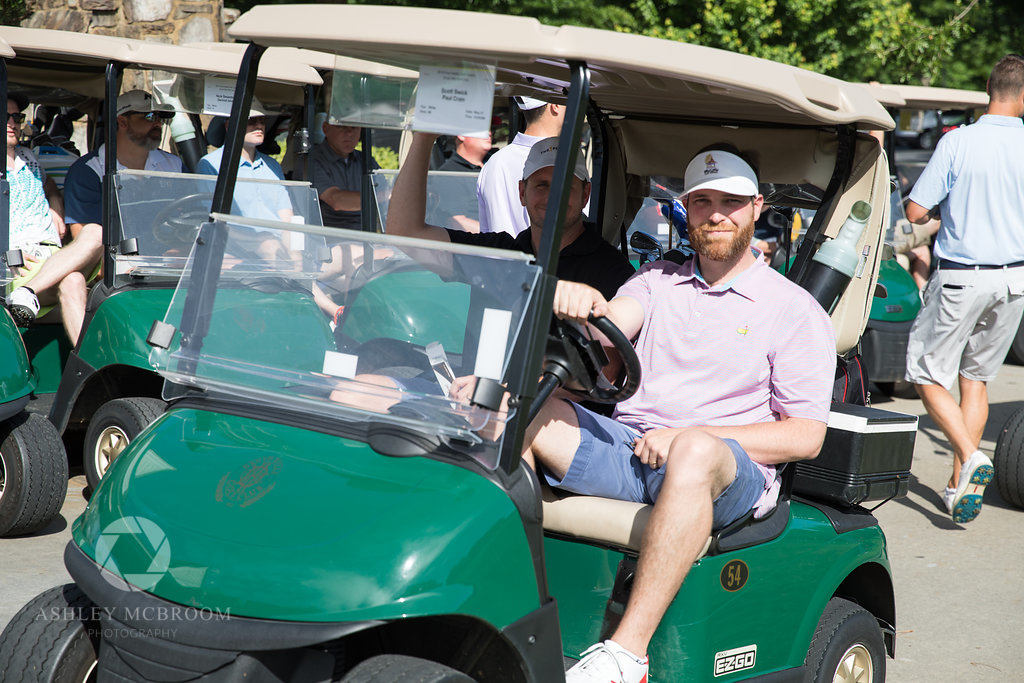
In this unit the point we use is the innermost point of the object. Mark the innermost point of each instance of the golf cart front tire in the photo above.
(390, 668)
(111, 429)
(52, 639)
(847, 646)
(34, 474)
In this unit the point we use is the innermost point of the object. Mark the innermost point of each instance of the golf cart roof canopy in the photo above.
(77, 61)
(630, 74)
(887, 95)
(923, 97)
(5, 49)
(321, 61)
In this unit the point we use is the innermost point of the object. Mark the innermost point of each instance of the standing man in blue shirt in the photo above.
(974, 300)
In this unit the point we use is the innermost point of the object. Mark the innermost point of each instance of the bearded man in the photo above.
(63, 276)
(738, 364)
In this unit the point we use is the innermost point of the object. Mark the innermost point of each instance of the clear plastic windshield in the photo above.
(162, 212)
(451, 198)
(366, 330)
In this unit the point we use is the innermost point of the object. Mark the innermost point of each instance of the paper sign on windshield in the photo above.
(218, 93)
(455, 100)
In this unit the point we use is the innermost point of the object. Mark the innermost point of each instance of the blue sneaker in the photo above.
(975, 475)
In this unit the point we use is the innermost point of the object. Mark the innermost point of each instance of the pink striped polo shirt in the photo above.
(748, 351)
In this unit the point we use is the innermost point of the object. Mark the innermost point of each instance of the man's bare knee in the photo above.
(553, 436)
(699, 460)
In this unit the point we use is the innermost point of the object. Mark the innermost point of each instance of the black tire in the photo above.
(33, 474)
(899, 389)
(1008, 460)
(111, 429)
(1016, 353)
(402, 669)
(52, 639)
(847, 637)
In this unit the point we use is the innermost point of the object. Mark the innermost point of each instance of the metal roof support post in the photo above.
(5, 189)
(111, 232)
(525, 375)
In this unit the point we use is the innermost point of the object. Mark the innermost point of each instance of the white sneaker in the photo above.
(23, 305)
(975, 475)
(948, 495)
(608, 662)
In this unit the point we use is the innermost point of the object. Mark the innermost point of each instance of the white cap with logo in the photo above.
(719, 170)
(542, 155)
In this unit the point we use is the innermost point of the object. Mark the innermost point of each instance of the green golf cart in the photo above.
(33, 465)
(104, 391)
(312, 506)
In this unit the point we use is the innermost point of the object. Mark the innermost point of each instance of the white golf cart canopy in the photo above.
(5, 49)
(76, 62)
(923, 97)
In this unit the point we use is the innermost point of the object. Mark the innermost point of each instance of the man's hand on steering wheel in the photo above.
(576, 301)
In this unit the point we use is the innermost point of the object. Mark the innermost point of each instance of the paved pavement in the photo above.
(959, 588)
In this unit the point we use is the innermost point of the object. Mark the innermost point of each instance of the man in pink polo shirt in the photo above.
(738, 364)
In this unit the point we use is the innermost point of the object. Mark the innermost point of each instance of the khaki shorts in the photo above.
(966, 326)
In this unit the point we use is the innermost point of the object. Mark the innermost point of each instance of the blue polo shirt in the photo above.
(976, 176)
(256, 200)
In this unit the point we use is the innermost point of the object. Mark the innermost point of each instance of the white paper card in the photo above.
(340, 364)
(297, 240)
(454, 100)
(218, 93)
(490, 355)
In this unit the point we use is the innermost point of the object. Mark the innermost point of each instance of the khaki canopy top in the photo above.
(5, 49)
(630, 74)
(922, 97)
(76, 62)
(887, 95)
(321, 61)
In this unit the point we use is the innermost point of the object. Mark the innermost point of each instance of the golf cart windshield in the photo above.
(160, 214)
(372, 331)
(451, 197)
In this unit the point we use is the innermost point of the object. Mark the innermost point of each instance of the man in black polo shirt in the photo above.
(584, 257)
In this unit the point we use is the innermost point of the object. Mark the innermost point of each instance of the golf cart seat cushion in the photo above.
(605, 521)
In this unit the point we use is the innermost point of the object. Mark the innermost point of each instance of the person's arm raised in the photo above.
(407, 209)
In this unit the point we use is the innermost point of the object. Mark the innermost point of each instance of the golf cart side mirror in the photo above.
(646, 246)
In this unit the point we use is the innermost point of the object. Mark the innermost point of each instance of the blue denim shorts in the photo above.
(604, 465)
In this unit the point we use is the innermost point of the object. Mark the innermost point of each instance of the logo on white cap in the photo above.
(710, 167)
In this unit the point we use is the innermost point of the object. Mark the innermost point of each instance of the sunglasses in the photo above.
(258, 121)
(17, 117)
(152, 116)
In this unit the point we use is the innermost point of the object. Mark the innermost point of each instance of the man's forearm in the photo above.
(773, 443)
(341, 200)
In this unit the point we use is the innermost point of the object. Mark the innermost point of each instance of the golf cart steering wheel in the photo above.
(574, 362)
(175, 226)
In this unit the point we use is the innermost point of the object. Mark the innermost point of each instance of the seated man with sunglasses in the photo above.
(256, 200)
(62, 278)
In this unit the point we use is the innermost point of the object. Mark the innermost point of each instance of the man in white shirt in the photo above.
(497, 187)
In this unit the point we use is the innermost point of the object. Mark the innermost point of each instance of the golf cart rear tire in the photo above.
(34, 471)
(1008, 460)
(846, 633)
(113, 427)
(402, 669)
(52, 639)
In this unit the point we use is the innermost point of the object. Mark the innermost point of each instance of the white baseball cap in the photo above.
(528, 103)
(719, 170)
(543, 154)
(140, 101)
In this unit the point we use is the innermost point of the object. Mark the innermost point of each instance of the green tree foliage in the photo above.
(12, 12)
(952, 43)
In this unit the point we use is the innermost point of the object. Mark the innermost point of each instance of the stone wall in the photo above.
(169, 21)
